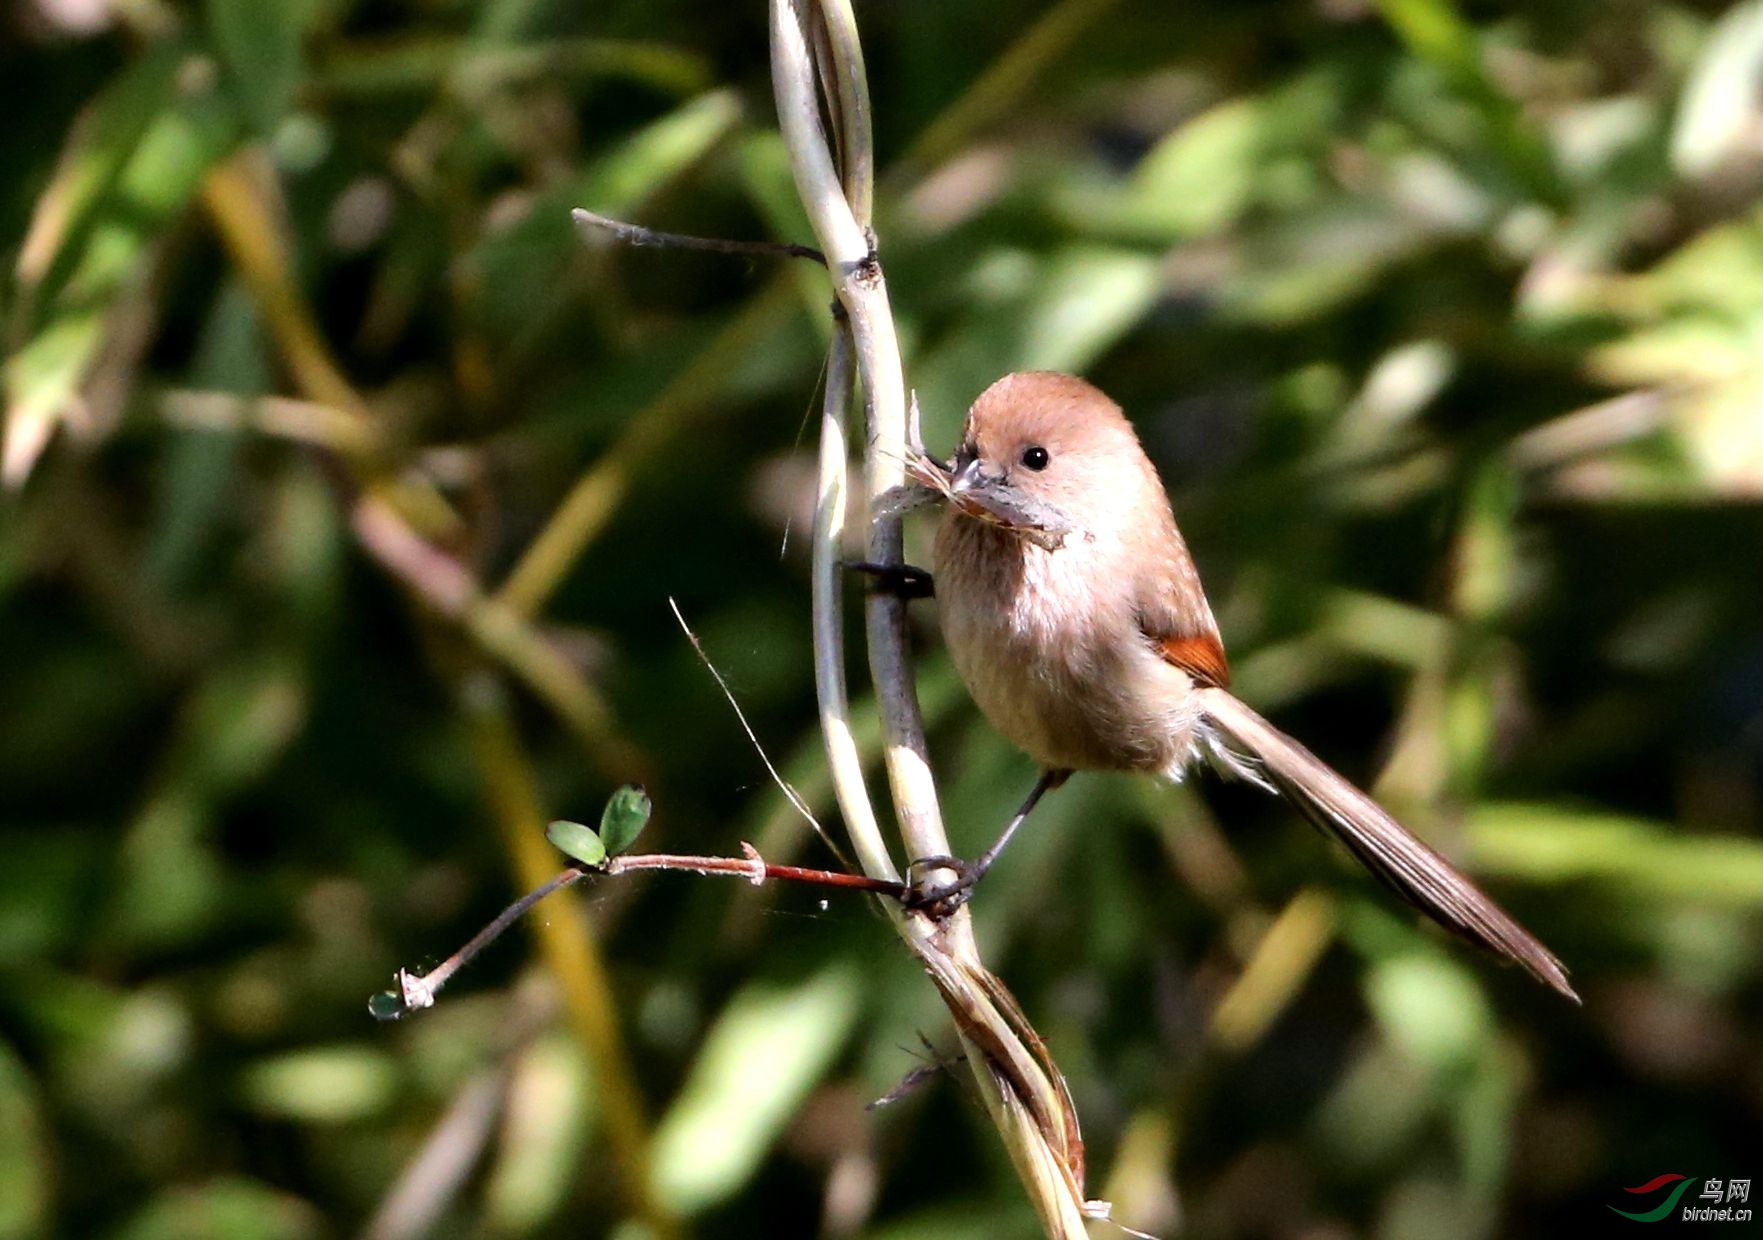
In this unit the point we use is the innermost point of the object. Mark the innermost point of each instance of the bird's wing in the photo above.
(1174, 615)
(1200, 655)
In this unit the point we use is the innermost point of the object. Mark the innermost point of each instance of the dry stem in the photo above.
(814, 43)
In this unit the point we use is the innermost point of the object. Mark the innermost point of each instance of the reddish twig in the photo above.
(417, 991)
(756, 870)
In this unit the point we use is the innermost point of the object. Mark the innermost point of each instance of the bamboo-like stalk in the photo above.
(862, 292)
(1018, 1081)
(843, 759)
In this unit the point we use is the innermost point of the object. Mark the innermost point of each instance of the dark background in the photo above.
(1443, 324)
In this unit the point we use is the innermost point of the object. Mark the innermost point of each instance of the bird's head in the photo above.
(1043, 450)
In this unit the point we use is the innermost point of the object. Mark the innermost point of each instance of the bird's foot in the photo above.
(903, 581)
(940, 899)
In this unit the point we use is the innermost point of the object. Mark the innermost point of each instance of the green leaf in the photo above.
(259, 42)
(39, 383)
(626, 175)
(768, 1049)
(1059, 311)
(1198, 180)
(577, 841)
(1718, 107)
(321, 1084)
(627, 813)
(137, 157)
(99, 146)
(1554, 845)
(1432, 1007)
(224, 1206)
(25, 1188)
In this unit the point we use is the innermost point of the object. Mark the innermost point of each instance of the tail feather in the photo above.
(1386, 848)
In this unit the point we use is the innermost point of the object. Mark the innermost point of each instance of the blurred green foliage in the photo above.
(346, 489)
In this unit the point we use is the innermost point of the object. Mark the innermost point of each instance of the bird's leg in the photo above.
(901, 580)
(942, 899)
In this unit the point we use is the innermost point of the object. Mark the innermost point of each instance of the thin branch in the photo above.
(345, 432)
(849, 104)
(757, 870)
(591, 224)
(569, 944)
(417, 991)
(1594, 428)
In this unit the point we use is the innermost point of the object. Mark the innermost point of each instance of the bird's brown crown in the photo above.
(1052, 435)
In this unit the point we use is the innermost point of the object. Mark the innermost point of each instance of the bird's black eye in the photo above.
(1035, 457)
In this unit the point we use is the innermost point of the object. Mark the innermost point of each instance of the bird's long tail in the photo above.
(1386, 848)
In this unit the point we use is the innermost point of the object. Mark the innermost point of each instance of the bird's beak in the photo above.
(990, 498)
(986, 496)
(966, 478)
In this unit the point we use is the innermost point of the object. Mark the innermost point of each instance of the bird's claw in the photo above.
(940, 899)
(900, 580)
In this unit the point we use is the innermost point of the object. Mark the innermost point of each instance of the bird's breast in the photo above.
(1049, 645)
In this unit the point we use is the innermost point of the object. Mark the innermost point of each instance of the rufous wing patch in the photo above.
(1200, 656)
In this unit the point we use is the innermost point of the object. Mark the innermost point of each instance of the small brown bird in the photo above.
(1074, 613)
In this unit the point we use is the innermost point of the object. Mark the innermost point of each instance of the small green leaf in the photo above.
(576, 840)
(627, 813)
(259, 42)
